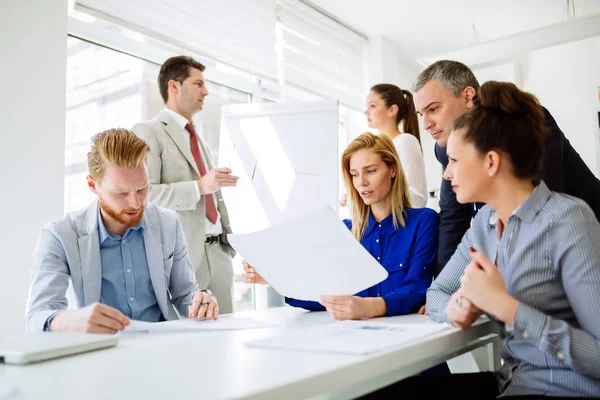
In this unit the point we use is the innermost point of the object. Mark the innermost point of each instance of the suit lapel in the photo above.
(89, 256)
(174, 131)
(155, 264)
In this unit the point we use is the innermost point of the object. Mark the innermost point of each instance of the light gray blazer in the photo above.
(70, 248)
(173, 172)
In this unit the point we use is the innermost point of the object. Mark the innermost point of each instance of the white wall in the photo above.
(387, 64)
(32, 111)
(565, 79)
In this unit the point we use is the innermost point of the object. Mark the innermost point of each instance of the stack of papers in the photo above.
(311, 256)
(350, 337)
(194, 325)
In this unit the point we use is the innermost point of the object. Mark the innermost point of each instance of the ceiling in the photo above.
(423, 28)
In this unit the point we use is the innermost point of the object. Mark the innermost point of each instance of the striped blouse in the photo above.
(549, 257)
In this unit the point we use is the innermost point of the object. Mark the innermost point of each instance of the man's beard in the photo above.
(122, 217)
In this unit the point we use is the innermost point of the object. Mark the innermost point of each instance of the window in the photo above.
(107, 89)
(351, 124)
(112, 69)
(319, 54)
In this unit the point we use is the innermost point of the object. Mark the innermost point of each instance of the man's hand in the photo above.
(204, 305)
(353, 307)
(216, 179)
(461, 312)
(95, 318)
(422, 310)
(251, 276)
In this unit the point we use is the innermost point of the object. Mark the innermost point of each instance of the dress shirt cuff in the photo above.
(48, 321)
(442, 318)
(437, 305)
(391, 303)
(394, 304)
(529, 323)
(307, 305)
(196, 190)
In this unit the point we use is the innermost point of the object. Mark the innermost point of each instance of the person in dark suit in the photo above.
(443, 92)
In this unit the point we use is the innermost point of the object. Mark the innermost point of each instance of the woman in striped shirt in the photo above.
(530, 261)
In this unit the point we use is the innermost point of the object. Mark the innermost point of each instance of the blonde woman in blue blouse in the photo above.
(403, 239)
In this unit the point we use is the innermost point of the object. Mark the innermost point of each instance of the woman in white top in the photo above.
(391, 110)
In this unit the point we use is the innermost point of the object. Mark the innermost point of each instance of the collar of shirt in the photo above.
(530, 207)
(440, 155)
(104, 234)
(387, 224)
(179, 119)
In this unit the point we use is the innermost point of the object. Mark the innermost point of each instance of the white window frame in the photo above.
(260, 88)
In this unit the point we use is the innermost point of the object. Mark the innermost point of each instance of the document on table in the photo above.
(194, 325)
(350, 337)
(310, 256)
(7, 391)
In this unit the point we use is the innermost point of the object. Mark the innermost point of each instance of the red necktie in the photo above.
(211, 209)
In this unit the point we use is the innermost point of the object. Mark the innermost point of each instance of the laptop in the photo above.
(32, 347)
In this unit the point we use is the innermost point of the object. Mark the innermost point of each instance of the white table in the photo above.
(217, 365)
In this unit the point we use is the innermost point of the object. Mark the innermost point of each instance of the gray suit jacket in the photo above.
(70, 248)
(173, 174)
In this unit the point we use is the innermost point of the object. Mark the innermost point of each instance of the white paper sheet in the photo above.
(350, 337)
(194, 325)
(8, 391)
(310, 256)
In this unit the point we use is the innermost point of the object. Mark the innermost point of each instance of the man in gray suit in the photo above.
(182, 176)
(126, 259)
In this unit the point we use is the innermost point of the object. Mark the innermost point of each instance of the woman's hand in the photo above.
(353, 307)
(461, 312)
(483, 285)
(344, 200)
(251, 276)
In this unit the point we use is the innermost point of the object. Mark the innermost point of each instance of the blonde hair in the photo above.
(119, 147)
(400, 196)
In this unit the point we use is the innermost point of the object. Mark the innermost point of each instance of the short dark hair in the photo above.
(508, 120)
(178, 69)
(454, 75)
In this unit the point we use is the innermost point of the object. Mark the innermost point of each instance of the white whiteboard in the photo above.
(287, 158)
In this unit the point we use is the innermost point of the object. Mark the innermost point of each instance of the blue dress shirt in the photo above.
(126, 283)
(408, 254)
